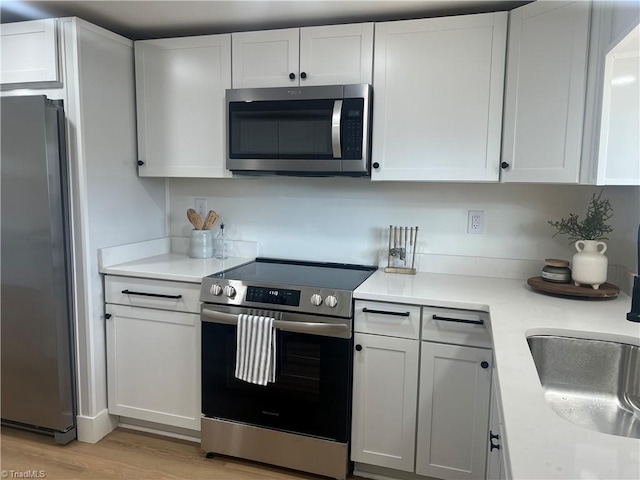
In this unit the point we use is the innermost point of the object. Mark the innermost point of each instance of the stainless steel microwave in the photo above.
(321, 131)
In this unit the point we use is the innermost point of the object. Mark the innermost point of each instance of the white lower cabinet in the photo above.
(153, 359)
(496, 445)
(385, 387)
(453, 412)
(421, 391)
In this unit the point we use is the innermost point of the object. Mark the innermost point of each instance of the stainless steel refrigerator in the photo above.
(38, 378)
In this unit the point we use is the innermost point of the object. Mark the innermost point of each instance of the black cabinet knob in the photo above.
(359, 348)
(504, 165)
(376, 165)
(484, 364)
(140, 163)
(292, 76)
(107, 316)
(303, 75)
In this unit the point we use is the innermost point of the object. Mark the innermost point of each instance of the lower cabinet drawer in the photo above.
(149, 293)
(390, 319)
(461, 327)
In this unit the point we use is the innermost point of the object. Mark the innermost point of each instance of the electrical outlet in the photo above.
(475, 223)
(201, 207)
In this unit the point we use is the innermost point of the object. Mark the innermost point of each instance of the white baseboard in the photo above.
(93, 429)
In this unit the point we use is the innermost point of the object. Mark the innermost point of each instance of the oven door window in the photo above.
(299, 129)
(311, 393)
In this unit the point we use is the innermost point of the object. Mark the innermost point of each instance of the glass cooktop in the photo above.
(339, 276)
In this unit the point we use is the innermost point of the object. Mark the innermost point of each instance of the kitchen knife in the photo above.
(405, 245)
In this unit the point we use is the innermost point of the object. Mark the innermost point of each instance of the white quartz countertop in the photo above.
(174, 266)
(540, 444)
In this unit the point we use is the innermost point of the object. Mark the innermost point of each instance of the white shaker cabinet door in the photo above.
(619, 152)
(453, 414)
(545, 92)
(265, 59)
(496, 444)
(438, 86)
(180, 97)
(153, 365)
(336, 54)
(385, 379)
(29, 52)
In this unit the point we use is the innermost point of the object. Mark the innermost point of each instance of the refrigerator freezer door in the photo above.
(37, 368)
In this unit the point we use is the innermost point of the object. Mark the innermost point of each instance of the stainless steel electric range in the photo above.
(303, 420)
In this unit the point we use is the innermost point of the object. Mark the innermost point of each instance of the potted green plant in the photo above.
(589, 265)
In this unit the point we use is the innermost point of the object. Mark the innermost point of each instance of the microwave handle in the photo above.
(335, 128)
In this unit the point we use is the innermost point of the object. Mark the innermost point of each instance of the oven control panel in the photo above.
(273, 296)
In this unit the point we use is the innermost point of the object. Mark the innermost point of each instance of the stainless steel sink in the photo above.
(591, 383)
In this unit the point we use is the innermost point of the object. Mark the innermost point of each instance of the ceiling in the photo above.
(145, 19)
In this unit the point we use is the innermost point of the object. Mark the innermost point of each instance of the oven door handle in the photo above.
(296, 327)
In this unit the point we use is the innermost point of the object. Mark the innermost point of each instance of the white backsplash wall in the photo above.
(347, 219)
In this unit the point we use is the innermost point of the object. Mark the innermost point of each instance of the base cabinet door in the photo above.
(385, 379)
(495, 445)
(453, 414)
(153, 359)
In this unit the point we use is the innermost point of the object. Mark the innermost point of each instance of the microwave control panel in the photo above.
(352, 130)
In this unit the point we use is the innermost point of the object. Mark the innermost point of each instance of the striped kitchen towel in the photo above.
(255, 349)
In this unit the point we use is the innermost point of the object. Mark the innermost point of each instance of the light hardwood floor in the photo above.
(126, 454)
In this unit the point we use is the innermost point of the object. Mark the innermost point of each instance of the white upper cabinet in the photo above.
(328, 55)
(619, 155)
(438, 87)
(545, 92)
(336, 54)
(29, 52)
(180, 87)
(265, 59)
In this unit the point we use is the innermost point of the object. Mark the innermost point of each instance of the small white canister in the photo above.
(201, 244)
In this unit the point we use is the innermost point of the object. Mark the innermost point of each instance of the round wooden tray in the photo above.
(606, 290)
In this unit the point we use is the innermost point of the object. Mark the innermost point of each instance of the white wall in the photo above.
(346, 219)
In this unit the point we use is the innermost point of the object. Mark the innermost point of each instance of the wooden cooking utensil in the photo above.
(194, 218)
(209, 222)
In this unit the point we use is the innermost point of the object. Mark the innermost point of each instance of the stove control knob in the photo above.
(331, 301)
(316, 300)
(215, 289)
(229, 291)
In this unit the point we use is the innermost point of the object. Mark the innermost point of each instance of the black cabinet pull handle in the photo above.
(292, 76)
(359, 348)
(458, 320)
(107, 316)
(384, 312)
(158, 295)
(140, 163)
(376, 165)
(492, 437)
(303, 75)
(484, 365)
(504, 165)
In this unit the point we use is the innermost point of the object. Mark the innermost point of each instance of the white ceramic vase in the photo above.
(589, 265)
